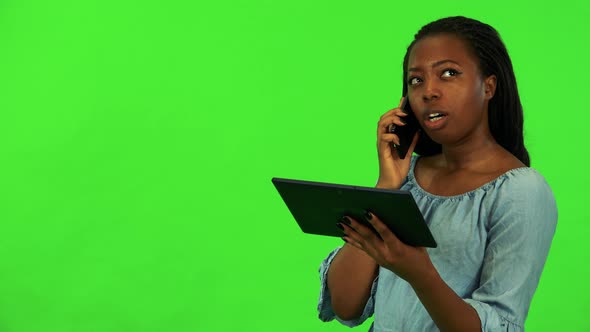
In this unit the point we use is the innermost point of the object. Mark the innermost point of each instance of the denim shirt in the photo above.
(492, 245)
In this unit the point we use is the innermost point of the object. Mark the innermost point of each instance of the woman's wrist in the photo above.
(425, 280)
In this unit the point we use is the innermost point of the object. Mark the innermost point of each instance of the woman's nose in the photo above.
(431, 91)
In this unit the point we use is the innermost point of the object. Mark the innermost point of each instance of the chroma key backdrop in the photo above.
(138, 140)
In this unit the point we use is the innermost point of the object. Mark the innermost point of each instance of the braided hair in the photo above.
(505, 115)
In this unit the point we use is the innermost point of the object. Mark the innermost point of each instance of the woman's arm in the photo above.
(350, 277)
(520, 229)
(448, 311)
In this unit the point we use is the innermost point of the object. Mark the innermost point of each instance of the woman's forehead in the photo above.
(433, 49)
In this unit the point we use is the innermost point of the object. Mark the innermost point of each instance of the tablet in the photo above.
(317, 207)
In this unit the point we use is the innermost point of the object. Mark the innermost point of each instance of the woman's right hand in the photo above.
(392, 169)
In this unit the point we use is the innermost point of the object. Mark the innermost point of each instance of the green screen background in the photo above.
(138, 140)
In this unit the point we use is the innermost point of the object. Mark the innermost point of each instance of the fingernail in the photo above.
(343, 239)
(403, 121)
(368, 215)
(339, 225)
(345, 220)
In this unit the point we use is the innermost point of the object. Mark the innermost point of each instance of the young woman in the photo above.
(492, 216)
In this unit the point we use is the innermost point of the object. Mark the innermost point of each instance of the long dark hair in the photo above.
(505, 116)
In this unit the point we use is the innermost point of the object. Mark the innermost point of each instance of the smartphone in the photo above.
(405, 133)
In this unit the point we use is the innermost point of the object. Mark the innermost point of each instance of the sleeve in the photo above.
(520, 228)
(325, 311)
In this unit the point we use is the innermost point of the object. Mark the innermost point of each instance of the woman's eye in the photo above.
(450, 72)
(413, 80)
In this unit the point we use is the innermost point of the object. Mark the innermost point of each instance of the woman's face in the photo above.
(447, 91)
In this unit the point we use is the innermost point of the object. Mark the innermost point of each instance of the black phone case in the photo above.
(405, 133)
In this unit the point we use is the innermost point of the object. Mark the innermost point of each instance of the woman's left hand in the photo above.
(410, 263)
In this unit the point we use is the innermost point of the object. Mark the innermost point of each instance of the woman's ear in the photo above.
(490, 86)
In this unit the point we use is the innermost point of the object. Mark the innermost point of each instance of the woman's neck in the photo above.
(471, 154)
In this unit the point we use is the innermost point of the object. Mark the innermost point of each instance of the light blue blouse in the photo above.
(492, 245)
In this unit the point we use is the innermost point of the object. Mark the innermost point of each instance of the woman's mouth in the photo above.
(433, 117)
(435, 120)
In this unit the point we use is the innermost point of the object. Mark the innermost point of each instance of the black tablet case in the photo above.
(317, 207)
